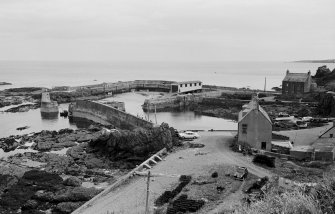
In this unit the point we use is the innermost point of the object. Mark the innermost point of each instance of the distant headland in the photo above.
(5, 83)
(317, 61)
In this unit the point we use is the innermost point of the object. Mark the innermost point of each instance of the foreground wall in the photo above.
(104, 114)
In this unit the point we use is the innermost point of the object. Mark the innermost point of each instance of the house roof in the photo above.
(253, 105)
(296, 77)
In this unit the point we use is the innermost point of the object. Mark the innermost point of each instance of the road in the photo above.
(130, 197)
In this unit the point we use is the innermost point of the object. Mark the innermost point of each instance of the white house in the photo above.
(255, 126)
(186, 86)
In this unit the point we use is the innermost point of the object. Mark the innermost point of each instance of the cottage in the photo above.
(296, 83)
(255, 126)
(186, 87)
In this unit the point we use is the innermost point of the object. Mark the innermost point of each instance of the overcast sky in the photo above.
(167, 30)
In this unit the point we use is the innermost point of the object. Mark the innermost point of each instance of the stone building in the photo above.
(255, 126)
(296, 83)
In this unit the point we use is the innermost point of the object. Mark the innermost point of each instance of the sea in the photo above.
(254, 75)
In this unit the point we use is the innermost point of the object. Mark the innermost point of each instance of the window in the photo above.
(195, 84)
(190, 84)
(181, 85)
(331, 135)
(199, 83)
(185, 85)
(244, 128)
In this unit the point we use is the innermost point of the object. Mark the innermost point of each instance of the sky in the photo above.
(167, 30)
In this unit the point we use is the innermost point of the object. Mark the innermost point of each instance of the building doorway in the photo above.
(263, 146)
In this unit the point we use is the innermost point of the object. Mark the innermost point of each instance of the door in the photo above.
(263, 147)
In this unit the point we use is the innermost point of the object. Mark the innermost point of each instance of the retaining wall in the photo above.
(104, 114)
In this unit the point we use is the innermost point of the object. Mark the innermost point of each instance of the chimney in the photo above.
(287, 72)
(309, 73)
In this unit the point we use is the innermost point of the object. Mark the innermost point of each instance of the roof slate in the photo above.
(296, 77)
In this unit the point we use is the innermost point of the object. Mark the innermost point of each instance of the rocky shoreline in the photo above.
(58, 171)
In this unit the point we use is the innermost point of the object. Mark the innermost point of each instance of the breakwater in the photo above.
(107, 115)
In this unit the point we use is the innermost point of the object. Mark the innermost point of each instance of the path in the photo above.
(130, 198)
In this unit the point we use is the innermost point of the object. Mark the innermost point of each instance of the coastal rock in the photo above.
(6, 181)
(72, 181)
(44, 145)
(68, 207)
(89, 137)
(77, 152)
(30, 204)
(33, 180)
(22, 108)
(67, 138)
(65, 131)
(9, 144)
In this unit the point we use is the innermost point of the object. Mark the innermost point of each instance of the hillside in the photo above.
(317, 61)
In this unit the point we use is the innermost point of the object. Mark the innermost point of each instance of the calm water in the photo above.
(237, 74)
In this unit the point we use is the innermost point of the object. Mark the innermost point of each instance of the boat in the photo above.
(48, 106)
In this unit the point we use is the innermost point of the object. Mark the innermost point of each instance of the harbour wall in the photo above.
(107, 115)
(178, 101)
(127, 86)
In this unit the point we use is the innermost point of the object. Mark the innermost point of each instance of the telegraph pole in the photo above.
(147, 199)
(155, 114)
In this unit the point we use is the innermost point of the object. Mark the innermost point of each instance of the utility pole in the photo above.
(148, 104)
(147, 199)
(155, 114)
(265, 85)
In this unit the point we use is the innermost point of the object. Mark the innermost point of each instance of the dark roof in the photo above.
(296, 77)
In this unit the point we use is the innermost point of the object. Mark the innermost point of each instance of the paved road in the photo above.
(130, 198)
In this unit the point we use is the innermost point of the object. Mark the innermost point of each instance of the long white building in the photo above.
(186, 87)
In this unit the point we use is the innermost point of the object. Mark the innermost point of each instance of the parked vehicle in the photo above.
(241, 173)
(301, 124)
(307, 119)
(188, 135)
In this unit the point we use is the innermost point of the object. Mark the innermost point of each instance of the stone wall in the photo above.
(178, 101)
(105, 114)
